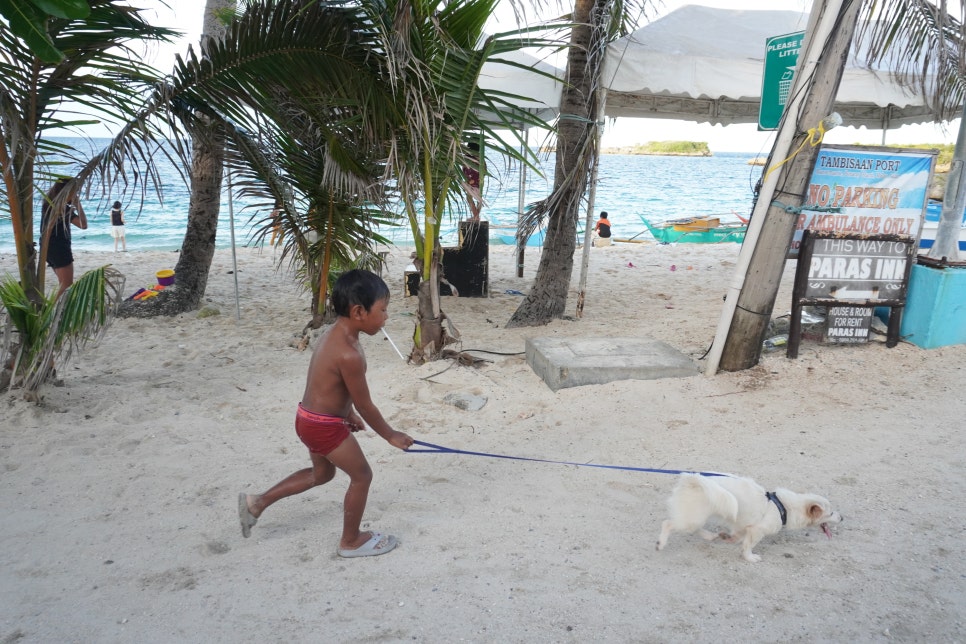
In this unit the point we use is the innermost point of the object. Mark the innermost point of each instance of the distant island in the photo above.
(665, 148)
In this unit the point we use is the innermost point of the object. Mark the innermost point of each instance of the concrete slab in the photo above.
(571, 362)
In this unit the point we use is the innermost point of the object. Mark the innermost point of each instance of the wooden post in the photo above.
(756, 301)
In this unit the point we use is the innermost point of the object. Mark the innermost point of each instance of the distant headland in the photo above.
(664, 148)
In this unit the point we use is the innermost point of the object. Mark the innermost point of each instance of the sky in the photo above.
(186, 16)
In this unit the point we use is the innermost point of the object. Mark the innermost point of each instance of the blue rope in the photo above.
(439, 449)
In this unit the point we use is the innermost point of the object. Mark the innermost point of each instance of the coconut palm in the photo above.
(27, 18)
(392, 108)
(436, 56)
(207, 166)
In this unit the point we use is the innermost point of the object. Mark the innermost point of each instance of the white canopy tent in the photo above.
(521, 81)
(704, 64)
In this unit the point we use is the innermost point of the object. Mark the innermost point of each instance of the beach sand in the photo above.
(119, 491)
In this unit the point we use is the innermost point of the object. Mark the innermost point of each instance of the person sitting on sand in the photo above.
(602, 228)
(336, 395)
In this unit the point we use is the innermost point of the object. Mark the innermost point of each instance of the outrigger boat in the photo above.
(934, 211)
(696, 230)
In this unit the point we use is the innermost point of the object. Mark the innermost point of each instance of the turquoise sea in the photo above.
(659, 188)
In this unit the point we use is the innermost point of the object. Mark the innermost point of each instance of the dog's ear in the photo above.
(816, 511)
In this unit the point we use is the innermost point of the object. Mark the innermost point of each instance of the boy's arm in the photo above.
(353, 369)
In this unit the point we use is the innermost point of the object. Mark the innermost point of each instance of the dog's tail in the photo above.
(721, 500)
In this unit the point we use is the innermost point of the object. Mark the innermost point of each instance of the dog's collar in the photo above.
(771, 496)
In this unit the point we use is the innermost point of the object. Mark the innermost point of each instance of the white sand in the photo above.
(119, 492)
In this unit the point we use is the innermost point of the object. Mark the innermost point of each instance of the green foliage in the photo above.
(945, 150)
(55, 327)
(101, 77)
(27, 19)
(673, 148)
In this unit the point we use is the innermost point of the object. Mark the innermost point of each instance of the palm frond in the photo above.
(58, 327)
(923, 46)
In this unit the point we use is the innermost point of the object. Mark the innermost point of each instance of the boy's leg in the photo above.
(349, 458)
(320, 473)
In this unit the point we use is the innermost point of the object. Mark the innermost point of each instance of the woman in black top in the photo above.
(117, 225)
(55, 232)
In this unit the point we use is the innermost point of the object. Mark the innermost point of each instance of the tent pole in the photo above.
(521, 196)
(589, 218)
(234, 259)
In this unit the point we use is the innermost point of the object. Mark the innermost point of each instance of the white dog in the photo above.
(748, 511)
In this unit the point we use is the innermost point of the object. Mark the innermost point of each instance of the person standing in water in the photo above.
(117, 226)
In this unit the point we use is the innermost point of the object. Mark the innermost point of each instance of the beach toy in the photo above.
(136, 293)
(165, 277)
(143, 295)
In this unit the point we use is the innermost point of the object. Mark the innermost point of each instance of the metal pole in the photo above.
(521, 197)
(589, 220)
(234, 259)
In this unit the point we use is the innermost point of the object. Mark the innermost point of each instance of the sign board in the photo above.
(848, 324)
(781, 57)
(854, 269)
(851, 275)
(862, 190)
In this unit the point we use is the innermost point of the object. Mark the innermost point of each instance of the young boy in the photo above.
(336, 383)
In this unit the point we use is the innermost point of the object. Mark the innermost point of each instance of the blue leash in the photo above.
(439, 449)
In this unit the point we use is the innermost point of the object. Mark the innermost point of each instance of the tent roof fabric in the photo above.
(705, 64)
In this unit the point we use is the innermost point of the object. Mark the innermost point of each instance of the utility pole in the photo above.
(751, 298)
(954, 202)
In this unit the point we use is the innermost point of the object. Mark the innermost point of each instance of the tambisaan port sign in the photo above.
(864, 190)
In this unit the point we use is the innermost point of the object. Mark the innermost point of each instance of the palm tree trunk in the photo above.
(207, 171)
(576, 153)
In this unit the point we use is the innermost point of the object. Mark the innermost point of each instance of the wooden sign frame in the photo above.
(873, 269)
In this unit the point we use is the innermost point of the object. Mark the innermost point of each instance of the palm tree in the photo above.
(55, 329)
(437, 55)
(26, 20)
(595, 22)
(207, 167)
(290, 96)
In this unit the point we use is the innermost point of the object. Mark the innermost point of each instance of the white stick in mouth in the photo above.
(393, 344)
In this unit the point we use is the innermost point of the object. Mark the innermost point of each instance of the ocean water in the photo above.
(629, 186)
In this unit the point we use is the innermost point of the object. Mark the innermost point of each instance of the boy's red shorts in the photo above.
(321, 433)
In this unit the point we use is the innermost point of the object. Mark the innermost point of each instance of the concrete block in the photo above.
(572, 362)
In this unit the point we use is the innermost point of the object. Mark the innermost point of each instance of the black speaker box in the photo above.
(466, 266)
